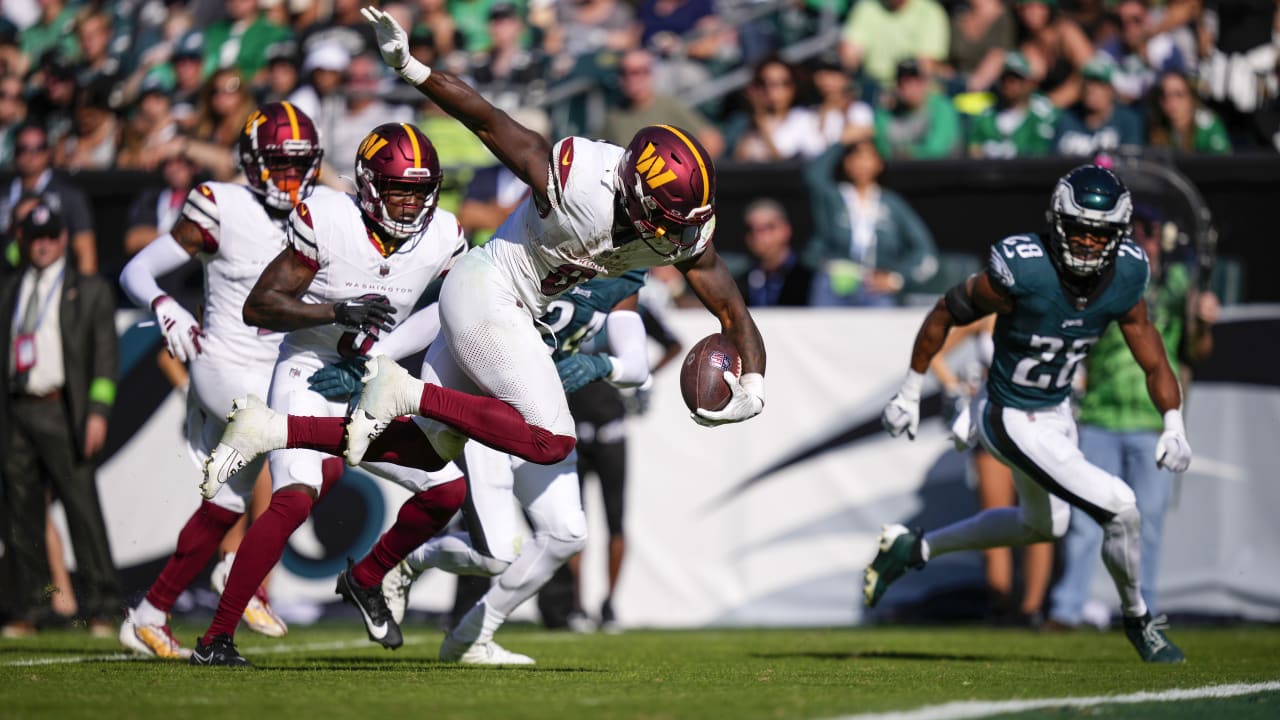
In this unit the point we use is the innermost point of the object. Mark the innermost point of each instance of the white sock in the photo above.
(479, 624)
(997, 527)
(1122, 554)
(148, 614)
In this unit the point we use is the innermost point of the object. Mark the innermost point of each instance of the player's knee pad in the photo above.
(1045, 527)
(568, 537)
(1127, 522)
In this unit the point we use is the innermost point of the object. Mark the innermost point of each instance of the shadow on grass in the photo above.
(894, 655)
(312, 664)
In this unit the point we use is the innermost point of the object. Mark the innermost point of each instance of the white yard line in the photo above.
(273, 649)
(986, 708)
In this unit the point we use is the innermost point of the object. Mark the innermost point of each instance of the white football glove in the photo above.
(181, 331)
(745, 403)
(903, 411)
(393, 43)
(1173, 453)
(963, 431)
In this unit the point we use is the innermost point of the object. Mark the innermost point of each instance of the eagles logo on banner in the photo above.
(656, 172)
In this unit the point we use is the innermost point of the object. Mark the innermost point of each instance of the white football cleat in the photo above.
(252, 430)
(477, 653)
(389, 392)
(258, 614)
(152, 640)
(395, 589)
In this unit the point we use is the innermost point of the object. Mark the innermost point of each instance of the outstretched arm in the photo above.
(1148, 349)
(711, 282)
(1172, 450)
(963, 304)
(523, 151)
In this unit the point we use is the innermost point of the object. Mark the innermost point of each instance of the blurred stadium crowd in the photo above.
(842, 86)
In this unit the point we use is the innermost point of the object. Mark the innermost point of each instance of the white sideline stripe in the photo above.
(985, 708)
(275, 649)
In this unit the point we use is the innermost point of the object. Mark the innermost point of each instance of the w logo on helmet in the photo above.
(656, 172)
(371, 145)
(252, 123)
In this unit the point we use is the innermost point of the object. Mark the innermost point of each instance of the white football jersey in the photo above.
(546, 254)
(331, 236)
(240, 240)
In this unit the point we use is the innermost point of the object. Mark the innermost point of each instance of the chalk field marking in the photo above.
(275, 649)
(986, 708)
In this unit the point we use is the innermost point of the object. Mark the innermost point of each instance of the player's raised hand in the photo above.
(365, 312)
(745, 403)
(181, 331)
(393, 43)
(902, 414)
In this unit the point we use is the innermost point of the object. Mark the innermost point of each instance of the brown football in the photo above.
(702, 376)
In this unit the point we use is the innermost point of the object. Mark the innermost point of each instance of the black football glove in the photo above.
(365, 312)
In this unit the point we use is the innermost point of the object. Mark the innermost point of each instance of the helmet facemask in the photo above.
(652, 224)
(288, 174)
(1076, 253)
(1089, 217)
(419, 185)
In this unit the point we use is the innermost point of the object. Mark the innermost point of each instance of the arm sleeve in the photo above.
(628, 347)
(159, 258)
(411, 336)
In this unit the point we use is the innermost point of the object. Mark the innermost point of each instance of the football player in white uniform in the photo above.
(550, 496)
(353, 262)
(235, 230)
(595, 209)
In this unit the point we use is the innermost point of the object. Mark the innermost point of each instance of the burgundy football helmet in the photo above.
(398, 158)
(668, 184)
(280, 153)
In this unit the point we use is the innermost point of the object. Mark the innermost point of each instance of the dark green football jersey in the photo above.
(1040, 344)
(579, 314)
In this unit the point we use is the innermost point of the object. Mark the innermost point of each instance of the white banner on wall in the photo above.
(770, 522)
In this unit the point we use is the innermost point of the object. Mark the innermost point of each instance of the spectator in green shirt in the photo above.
(919, 121)
(1119, 424)
(1021, 124)
(1098, 123)
(1179, 121)
(879, 34)
(241, 41)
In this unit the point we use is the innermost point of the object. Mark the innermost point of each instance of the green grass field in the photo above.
(330, 671)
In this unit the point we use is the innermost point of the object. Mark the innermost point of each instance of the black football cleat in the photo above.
(378, 621)
(220, 652)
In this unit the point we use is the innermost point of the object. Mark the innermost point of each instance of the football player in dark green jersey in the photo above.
(1054, 293)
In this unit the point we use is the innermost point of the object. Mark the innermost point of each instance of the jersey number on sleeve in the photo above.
(1049, 348)
(1021, 247)
(565, 277)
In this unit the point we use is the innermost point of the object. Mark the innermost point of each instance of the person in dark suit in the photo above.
(60, 370)
(775, 277)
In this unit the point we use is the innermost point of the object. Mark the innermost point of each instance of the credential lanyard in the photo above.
(44, 306)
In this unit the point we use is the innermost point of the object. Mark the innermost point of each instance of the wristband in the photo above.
(753, 383)
(414, 71)
(911, 386)
(1173, 422)
(158, 300)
